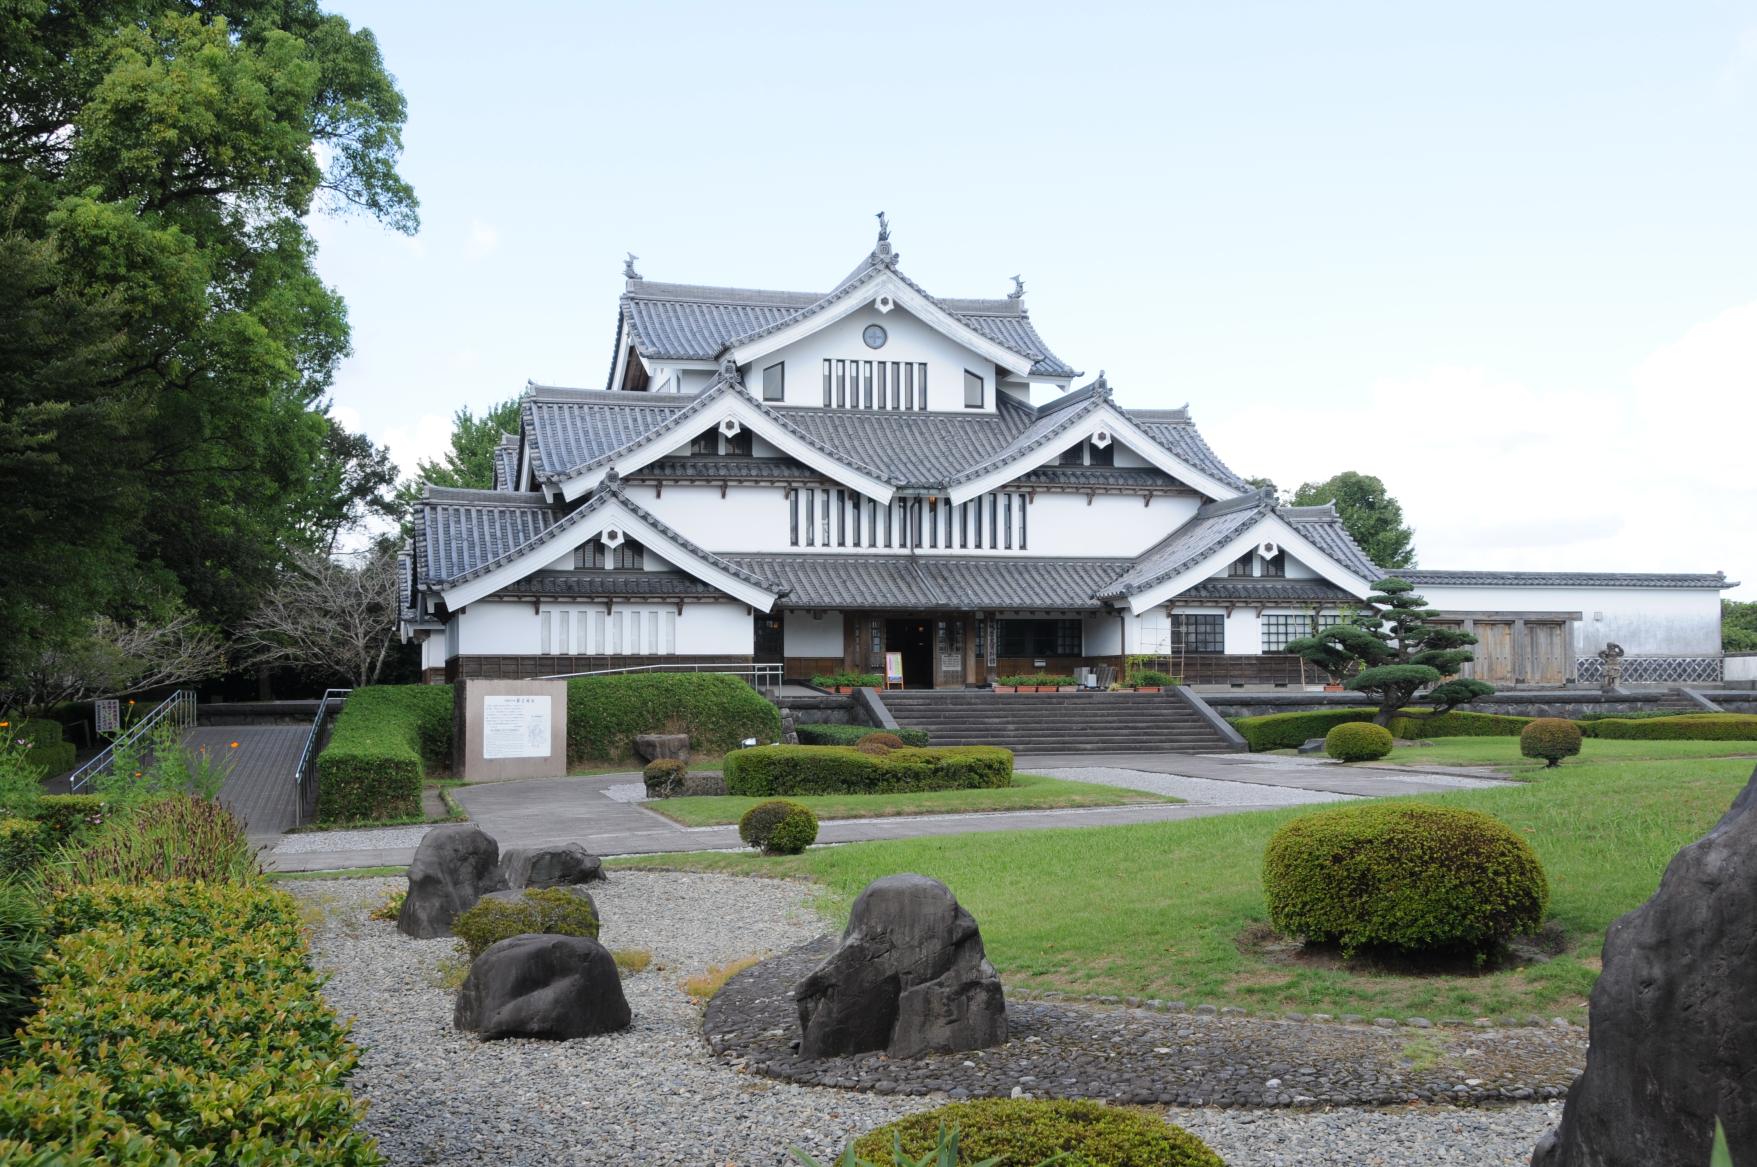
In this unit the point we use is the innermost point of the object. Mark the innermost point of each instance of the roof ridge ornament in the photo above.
(1018, 292)
(882, 254)
(612, 480)
(1101, 387)
(628, 271)
(729, 374)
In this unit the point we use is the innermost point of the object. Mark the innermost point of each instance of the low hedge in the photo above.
(1358, 741)
(23, 842)
(181, 1021)
(766, 771)
(1700, 727)
(850, 735)
(1405, 876)
(1019, 1132)
(1288, 731)
(604, 714)
(384, 739)
(847, 680)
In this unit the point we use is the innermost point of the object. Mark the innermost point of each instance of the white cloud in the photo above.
(482, 241)
(1654, 474)
(428, 436)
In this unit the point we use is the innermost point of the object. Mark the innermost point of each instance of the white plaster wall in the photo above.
(1741, 667)
(1293, 568)
(1102, 634)
(1642, 620)
(491, 627)
(908, 339)
(1244, 632)
(433, 651)
(1114, 525)
(803, 636)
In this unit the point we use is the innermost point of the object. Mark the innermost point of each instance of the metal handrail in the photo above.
(178, 709)
(757, 673)
(302, 780)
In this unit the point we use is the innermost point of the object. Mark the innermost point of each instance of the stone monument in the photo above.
(1612, 656)
(503, 730)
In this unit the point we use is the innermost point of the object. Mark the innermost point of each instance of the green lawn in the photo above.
(1028, 792)
(1503, 752)
(1159, 910)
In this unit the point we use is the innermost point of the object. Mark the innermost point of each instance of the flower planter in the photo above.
(1332, 688)
(1148, 688)
(1006, 688)
(1065, 689)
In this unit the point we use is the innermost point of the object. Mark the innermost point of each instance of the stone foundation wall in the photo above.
(825, 710)
(1570, 703)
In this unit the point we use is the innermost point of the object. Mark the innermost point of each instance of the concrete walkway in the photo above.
(557, 810)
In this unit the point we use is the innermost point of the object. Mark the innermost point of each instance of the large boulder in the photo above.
(557, 865)
(908, 978)
(454, 866)
(1674, 1017)
(653, 746)
(542, 986)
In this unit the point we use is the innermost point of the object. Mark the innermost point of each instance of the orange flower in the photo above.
(234, 745)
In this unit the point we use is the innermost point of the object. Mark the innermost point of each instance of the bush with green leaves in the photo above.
(22, 935)
(1289, 731)
(1458, 723)
(766, 771)
(176, 837)
(1403, 876)
(717, 711)
(385, 740)
(847, 680)
(559, 911)
(50, 754)
(1005, 1132)
(160, 763)
(181, 1022)
(853, 735)
(70, 817)
(664, 769)
(23, 843)
(1150, 678)
(1358, 741)
(1550, 738)
(1700, 727)
(778, 827)
(1038, 680)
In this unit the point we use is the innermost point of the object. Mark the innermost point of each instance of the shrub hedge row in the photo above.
(848, 735)
(1700, 727)
(1286, 731)
(384, 740)
(604, 714)
(181, 1022)
(766, 771)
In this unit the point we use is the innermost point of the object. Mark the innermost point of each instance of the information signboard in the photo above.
(109, 714)
(515, 727)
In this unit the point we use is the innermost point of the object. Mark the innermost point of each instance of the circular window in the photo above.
(874, 336)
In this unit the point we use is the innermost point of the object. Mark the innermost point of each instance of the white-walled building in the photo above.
(821, 478)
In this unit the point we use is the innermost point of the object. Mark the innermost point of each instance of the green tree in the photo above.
(1738, 625)
(1399, 654)
(470, 461)
(167, 342)
(1370, 514)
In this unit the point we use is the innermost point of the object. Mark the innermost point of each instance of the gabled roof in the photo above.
(1211, 528)
(700, 323)
(457, 530)
(572, 428)
(934, 582)
(1267, 591)
(1565, 579)
(1323, 526)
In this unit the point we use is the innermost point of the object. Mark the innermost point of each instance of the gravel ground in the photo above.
(627, 792)
(653, 1095)
(1203, 791)
(366, 840)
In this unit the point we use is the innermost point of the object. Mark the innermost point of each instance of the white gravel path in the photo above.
(652, 1095)
(301, 842)
(1203, 791)
(627, 791)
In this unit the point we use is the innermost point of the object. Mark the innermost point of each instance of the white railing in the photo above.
(761, 677)
(304, 774)
(177, 710)
(1656, 669)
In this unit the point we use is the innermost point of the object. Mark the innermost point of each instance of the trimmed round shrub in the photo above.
(1358, 741)
(557, 911)
(1020, 1132)
(889, 741)
(1550, 738)
(1404, 876)
(664, 777)
(778, 827)
(874, 749)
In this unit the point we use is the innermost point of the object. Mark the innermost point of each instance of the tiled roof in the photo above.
(1564, 579)
(570, 428)
(1209, 529)
(931, 582)
(1267, 591)
(694, 322)
(610, 583)
(1131, 477)
(719, 467)
(1324, 528)
(506, 462)
(1173, 429)
(457, 530)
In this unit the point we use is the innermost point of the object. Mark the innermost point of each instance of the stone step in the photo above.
(1057, 722)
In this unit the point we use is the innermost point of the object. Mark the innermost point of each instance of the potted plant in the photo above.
(1150, 681)
(845, 683)
(1006, 684)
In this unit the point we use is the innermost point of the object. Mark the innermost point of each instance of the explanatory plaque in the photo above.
(509, 729)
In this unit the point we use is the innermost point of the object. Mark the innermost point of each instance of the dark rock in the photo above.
(909, 978)
(453, 867)
(557, 865)
(542, 986)
(685, 785)
(1673, 1016)
(704, 785)
(653, 746)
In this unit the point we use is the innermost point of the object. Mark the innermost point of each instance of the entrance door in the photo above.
(915, 640)
(766, 641)
(948, 643)
(1494, 652)
(1544, 663)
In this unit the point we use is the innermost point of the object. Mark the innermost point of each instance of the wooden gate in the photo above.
(1494, 652)
(1545, 661)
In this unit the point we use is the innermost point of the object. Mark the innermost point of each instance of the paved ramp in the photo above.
(260, 789)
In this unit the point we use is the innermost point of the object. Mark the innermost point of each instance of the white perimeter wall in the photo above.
(1642, 620)
(803, 636)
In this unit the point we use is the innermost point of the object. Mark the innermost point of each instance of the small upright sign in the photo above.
(109, 713)
(893, 670)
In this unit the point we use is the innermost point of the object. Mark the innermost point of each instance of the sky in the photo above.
(1502, 255)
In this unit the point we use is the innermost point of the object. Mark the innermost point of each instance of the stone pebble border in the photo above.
(1158, 1053)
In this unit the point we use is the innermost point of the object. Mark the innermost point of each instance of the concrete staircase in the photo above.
(1057, 723)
